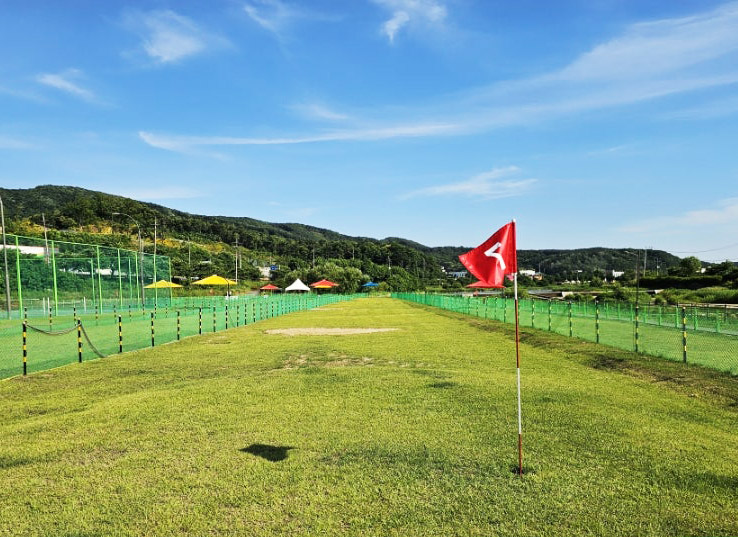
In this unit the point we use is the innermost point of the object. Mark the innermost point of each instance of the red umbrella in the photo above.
(323, 284)
(269, 287)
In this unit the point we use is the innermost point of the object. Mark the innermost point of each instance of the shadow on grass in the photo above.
(442, 385)
(11, 462)
(265, 451)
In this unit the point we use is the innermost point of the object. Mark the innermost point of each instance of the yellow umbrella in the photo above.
(161, 284)
(214, 280)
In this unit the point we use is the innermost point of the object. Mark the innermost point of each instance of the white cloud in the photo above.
(647, 61)
(167, 37)
(719, 108)
(185, 143)
(272, 15)
(63, 82)
(726, 213)
(13, 143)
(494, 184)
(407, 12)
(320, 112)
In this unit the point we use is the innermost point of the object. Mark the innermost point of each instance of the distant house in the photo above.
(527, 272)
(38, 251)
(458, 274)
(617, 273)
(265, 272)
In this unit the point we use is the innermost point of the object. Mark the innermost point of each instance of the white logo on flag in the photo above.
(492, 253)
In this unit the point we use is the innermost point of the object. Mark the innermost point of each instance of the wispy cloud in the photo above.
(404, 13)
(320, 112)
(494, 184)
(14, 143)
(710, 110)
(167, 37)
(186, 143)
(272, 15)
(647, 61)
(725, 213)
(65, 81)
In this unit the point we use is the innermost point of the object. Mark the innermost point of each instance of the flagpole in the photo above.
(517, 363)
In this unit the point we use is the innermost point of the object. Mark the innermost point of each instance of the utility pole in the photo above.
(5, 255)
(47, 255)
(236, 257)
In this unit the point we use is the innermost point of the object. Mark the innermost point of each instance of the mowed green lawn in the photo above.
(409, 432)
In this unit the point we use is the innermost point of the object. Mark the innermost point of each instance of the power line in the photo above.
(704, 251)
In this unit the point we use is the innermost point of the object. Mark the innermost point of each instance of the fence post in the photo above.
(238, 314)
(120, 334)
(199, 324)
(597, 321)
(25, 348)
(79, 341)
(214, 319)
(636, 328)
(684, 334)
(226, 315)
(178, 326)
(152, 329)
(532, 313)
(571, 327)
(51, 322)
(549, 314)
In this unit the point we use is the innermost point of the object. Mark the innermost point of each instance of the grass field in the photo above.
(406, 432)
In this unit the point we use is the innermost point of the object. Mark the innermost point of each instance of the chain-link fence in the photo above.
(41, 343)
(702, 335)
(56, 277)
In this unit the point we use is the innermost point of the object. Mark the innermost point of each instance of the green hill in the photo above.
(79, 214)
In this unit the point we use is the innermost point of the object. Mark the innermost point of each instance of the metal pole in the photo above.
(517, 367)
(5, 256)
(53, 269)
(18, 274)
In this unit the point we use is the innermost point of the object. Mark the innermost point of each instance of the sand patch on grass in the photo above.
(325, 331)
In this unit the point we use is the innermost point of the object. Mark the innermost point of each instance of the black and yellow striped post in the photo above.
(215, 319)
(120, 334)
(238, 314)
(152, 328)
(597, 321)
(636, 328)
(166, 312)
(115, 311)
(79, 341)
(226, 316)
(130, 313)
(74, 312)
(571, 325)
(51, 322)
(179, 330)
(549, 315)
(199, 324)
(25, 347)
(25, 314)
(684, 334)
(96, 315)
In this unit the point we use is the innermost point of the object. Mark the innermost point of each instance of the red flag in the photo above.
(496, 257)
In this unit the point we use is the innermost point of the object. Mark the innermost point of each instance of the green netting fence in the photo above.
(702, 335)
(41, 343)
(57, 277)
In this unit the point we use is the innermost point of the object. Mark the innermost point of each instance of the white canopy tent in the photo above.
(297, 285)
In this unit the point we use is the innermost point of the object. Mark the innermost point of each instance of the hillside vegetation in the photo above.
(200, 245)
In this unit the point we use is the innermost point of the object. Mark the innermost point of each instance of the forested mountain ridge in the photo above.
(82, 211)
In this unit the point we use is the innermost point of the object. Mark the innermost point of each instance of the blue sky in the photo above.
(592, 122)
